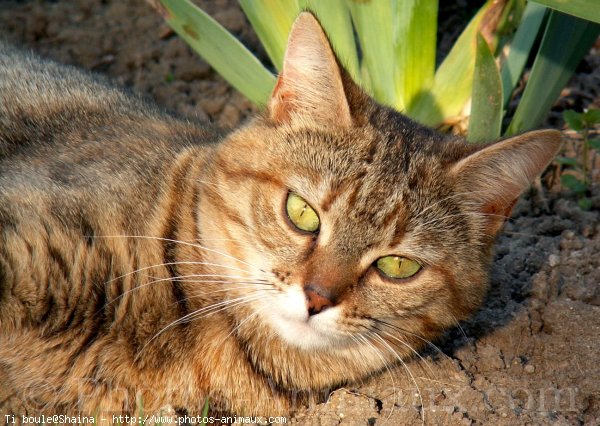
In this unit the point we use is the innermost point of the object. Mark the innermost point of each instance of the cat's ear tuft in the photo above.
(496, 175)
(309, 88)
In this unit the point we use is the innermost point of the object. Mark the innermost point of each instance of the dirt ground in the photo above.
(531, 355)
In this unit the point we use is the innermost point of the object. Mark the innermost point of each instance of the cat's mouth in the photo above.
(288, 315)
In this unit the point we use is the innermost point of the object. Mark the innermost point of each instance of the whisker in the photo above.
(189, 280)
(233, 277)
(181, 279)
(244, 321)
(425, 362)
(385, 343)
(215, 308)
(387, 367)
(200, 313)
(219, 305)
(462, 331)
(165, 279)
(403, 330)
(198, 246)
(244, 286)
(158, 265)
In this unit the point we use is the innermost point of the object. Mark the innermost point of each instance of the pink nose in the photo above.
(316, 302)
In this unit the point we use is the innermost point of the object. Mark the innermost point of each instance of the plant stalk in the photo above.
(586, 153)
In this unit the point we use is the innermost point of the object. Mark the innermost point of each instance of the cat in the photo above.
(148, 259)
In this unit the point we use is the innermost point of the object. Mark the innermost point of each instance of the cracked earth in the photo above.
(531, 355)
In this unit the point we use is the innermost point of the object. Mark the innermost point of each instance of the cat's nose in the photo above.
(317, 301)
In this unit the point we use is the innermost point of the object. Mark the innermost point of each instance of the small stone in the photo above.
(189, 69)
(212, 106)
(165, 31)
(231, 18)
(230, 116)
(553, 260)
(529, 369)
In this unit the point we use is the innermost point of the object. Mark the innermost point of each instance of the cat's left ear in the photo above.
(309, 88)
(494, 177)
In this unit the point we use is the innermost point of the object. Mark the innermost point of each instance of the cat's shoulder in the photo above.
(44, 103)
(34, 88)
(61, 126)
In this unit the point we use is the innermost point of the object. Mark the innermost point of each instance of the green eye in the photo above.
(397, 267)
(303, 216)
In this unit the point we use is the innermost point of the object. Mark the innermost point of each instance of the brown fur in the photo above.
(117, 220)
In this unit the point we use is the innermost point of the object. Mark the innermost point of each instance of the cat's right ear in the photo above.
(309, 88)
(495, 176)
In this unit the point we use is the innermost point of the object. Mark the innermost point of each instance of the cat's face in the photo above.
(350, 219)
(350, 230)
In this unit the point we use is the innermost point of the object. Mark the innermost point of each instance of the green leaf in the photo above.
(140, 402)
(591, 116)
(397, 40)
(415, 35)
(374, 23)
(453, 80)
(205, 409)
(585, 9)
(520, 48)
(574, 120)
(334, 16)
(585, 203)
(220, 49)
(566, 40)
(595, 144)
(568, 161)
(486, 106)
(272, 21)
(573, 183)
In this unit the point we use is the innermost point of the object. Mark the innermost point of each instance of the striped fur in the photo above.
(146, 257)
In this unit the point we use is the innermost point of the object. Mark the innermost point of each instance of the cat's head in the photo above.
(345, 219)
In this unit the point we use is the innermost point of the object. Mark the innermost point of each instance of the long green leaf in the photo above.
(520, 48)
(585, 9)
(415, 35)
(486, 107)
(220, 49)
(272, 21)
(566, 40)
(205, 410)
(453, 80)
(374, 21)
(334, 16)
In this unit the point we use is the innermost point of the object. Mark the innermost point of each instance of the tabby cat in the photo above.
(144, 257)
